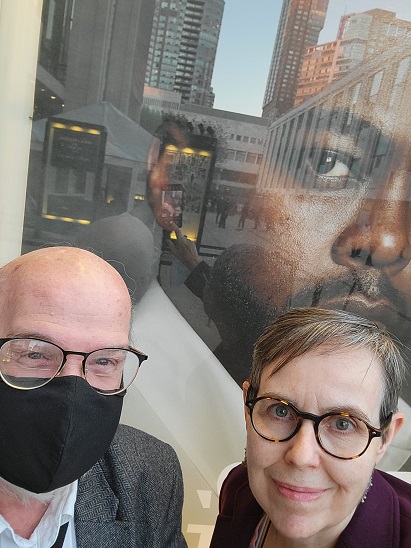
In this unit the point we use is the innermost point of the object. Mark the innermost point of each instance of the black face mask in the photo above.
(50, 436)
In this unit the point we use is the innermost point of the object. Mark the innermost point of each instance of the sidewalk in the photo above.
(225, 237)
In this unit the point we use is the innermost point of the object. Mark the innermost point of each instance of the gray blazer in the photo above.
(132, 497)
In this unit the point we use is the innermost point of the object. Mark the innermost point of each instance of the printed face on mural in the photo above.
(334, 195)
(340, 208)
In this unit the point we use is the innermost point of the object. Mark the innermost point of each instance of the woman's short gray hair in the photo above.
(303, 329)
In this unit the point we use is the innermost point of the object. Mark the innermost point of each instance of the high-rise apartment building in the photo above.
(299, 27)
(320, 68)
(360, 36)
(183, 47)
(371, 32)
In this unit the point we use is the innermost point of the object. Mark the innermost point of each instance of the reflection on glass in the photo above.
(308, 204)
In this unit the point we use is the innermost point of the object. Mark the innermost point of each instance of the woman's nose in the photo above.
(303, 449)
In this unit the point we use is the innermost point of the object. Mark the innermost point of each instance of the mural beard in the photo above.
(368, 294)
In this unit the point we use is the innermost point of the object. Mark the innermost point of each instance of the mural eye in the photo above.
(331, 163)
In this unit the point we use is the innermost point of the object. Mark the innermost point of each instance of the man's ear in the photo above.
(246, 386)
(396, 422)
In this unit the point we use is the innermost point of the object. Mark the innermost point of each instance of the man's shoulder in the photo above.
(137, 472)
(139, 445)
(129, 435)
(132, 457)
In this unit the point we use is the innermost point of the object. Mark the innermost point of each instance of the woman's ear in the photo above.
(396, 422)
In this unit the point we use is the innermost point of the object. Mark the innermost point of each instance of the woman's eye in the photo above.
(343, 424)
(279, 411)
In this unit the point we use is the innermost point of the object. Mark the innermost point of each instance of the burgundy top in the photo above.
(383, 521)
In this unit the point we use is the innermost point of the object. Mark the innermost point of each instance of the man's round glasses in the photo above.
(27, 364)
(341, 435)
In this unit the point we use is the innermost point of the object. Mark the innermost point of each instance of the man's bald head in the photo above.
(78, 303)
(63, 289)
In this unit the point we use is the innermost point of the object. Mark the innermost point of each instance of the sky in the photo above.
(246, 44)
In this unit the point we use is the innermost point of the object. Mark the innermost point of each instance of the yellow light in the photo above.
(191, 236)
(53, 97)
(139, 197)
(66, 219)
(59, 125)
(187, 150)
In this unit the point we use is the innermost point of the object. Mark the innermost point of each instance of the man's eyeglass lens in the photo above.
(340, 435)
(31, 363)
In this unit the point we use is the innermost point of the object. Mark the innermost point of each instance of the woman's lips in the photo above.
(298, 494)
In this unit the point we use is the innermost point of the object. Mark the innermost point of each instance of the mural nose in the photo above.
(379, 237)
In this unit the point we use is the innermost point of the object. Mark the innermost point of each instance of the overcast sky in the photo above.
(246, 44)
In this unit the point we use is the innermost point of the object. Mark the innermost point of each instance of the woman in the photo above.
(321, 410)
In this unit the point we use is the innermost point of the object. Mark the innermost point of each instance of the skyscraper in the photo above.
(321, 66)
(92, 52)
(299, 27)
(183, 47)
(360, 37)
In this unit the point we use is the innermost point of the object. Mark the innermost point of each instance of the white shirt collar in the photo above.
(59, 512)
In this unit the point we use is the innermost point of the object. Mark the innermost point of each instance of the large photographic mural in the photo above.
(219, 222)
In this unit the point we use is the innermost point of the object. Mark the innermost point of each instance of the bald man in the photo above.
(70, 475)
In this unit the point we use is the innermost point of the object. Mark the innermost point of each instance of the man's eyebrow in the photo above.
(29, 335)
(352, 410)
(47, 338)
